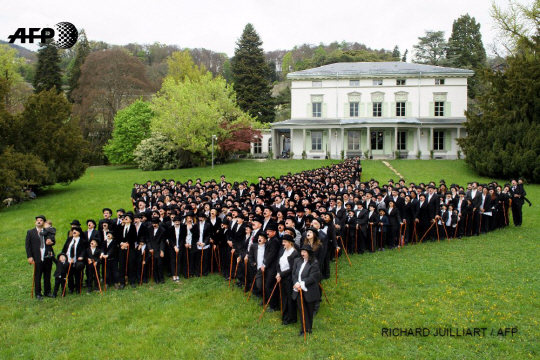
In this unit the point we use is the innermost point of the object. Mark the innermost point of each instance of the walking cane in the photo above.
(97, 277)
(105, 275)
(216, 254)
(381, 236)
(504, 214)
(472, 221)
(403, 238)
(67, 276)
(414, 235)
(371, 232)
(455, 233)
(176, 264)
(202, 256)
(345, 251)
(142, 270)
(245, 274)
(356, 240)
(437, 228)
(252, 284)
(264, 285)
(80, 283)
(400, 227)
(303, 317)
(480, 226)
(127, 262)
(212, 261)
(446, 232)
(466, 224)
(230, 269)
(337, 257)
(265, 306)
(427, 232)
(280, 300)
(33, 281)
(152, 269)
(347, 234)
(235, 271)
(187, 257)
(324, 293)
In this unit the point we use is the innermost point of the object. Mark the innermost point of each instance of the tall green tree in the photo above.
(82, 50)
(431, 48)
(250, 76)
(503, 136)
(131, 126)
(287, 64)
(396, 54)
(48, 73)
(182, 66)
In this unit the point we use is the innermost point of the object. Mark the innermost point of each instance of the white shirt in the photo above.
(300, 281)
(201, 233)
(73, 245)
(283, 260)
(177, 235)
(188, 238)
(41, 249)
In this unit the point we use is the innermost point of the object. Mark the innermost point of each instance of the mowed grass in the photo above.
(489, 281)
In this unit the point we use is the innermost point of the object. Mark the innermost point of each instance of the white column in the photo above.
(396, 139)
(330, 134)
(291, 139)
(303, 139)
(343, 141)
(431, 139)
(369, 140)
(418, 141)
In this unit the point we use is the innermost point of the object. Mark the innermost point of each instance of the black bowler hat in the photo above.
(75, 222)
(121, 209)
(41, 217)
(271, 226)
(91, 221)
(155, 220)
(78, 229)
(307, 248)
(288, 238)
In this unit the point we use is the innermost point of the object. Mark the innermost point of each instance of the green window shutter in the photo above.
(431, 108)
(324, 110)
(346, 110)
(384, 109)
(408, 108)
(447, 109)
(362, 110)
(309, 110)
(447, 140)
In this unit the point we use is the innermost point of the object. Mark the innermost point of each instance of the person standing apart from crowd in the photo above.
(35, 253)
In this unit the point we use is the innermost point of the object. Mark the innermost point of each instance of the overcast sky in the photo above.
(216, 25)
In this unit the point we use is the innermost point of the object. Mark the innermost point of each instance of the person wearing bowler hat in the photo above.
(305, 277)
(75, 249)
(94, 256)
(202, 231)
(156, 248)
(35, 251)
(126, 237)
(60, 273)
(109, 252)
(76, 224)
(382, 229)
(287, 256)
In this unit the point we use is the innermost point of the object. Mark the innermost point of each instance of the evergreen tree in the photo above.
(404, 58)
(48, 74)
(503, 137)
(250, 76)
(82, 50)
(396, 54)
(431, 48)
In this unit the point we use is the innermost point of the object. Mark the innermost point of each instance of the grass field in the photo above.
(491, 281)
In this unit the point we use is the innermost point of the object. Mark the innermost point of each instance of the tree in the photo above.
(131, 126)
(157, 152)
(82, 50)
(503, 136)
(431, 48)
(238, 137)
(396, 54)
(182, 66)
(404, 58)
(46, 129)
(250, 71)
(15, 93)
(110, 80)
(48, 74)
(227, 72)
(286, 64)
(189, 113)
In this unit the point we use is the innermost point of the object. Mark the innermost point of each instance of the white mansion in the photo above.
(373, 109)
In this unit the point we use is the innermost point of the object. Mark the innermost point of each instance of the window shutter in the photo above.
(408, 108)
(431, 108)
(447, 109)
(347, 110)
(309, 110)
(324, 110)
(384, 109)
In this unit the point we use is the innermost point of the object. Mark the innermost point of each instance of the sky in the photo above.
(217, 25)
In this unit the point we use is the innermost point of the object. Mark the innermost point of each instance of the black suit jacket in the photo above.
(80, 250)
(291, 258)
(311, 276)
(33, 244)
(156, 242)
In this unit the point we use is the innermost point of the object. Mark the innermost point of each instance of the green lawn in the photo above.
(490, 281)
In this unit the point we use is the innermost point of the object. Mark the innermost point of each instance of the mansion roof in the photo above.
(377, 69)
(311, 123)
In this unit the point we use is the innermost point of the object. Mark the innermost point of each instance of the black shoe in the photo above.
(133, 286)
(301, 333)
(270, 310)
(49, 295)
(88, 291)
(39, 297)
(71, 291)
(53, 296)
(121, 287)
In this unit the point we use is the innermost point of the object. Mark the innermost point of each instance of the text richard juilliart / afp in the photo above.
(448, 332)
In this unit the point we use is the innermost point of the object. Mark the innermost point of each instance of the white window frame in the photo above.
(316, 109)
(353, 140)
(438, 140)
(401, 108)
(354, 108)
(439, 81)
(316, 140)
(402, 142)
(377, 82)
(438, 108)
(377, 109)
(354, 83)
(401, 82)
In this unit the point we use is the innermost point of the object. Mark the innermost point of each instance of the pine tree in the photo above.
(431, 48)
(48, 74)
(250, 76)
(82, 51)
(396, 54)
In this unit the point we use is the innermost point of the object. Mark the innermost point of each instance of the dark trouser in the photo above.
(309, 312)
(175, 261)
(325, 266)
(129, 271)
(143, 270)
(156, 268)
(493, 222)
(258, 288)
(202, 267)
(270, 279)
(59, 283)
(393, 235)
(380, 239)
(43, 268)
(475, 217)
(189, 263)
(241, 274)
(517, 213)
(76, 276)
(287, 302)
(91, 278)
(111, 267)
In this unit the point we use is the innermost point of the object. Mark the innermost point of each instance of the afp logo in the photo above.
(64, 35)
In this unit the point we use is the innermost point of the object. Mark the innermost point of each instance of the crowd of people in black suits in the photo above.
(275, 239)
